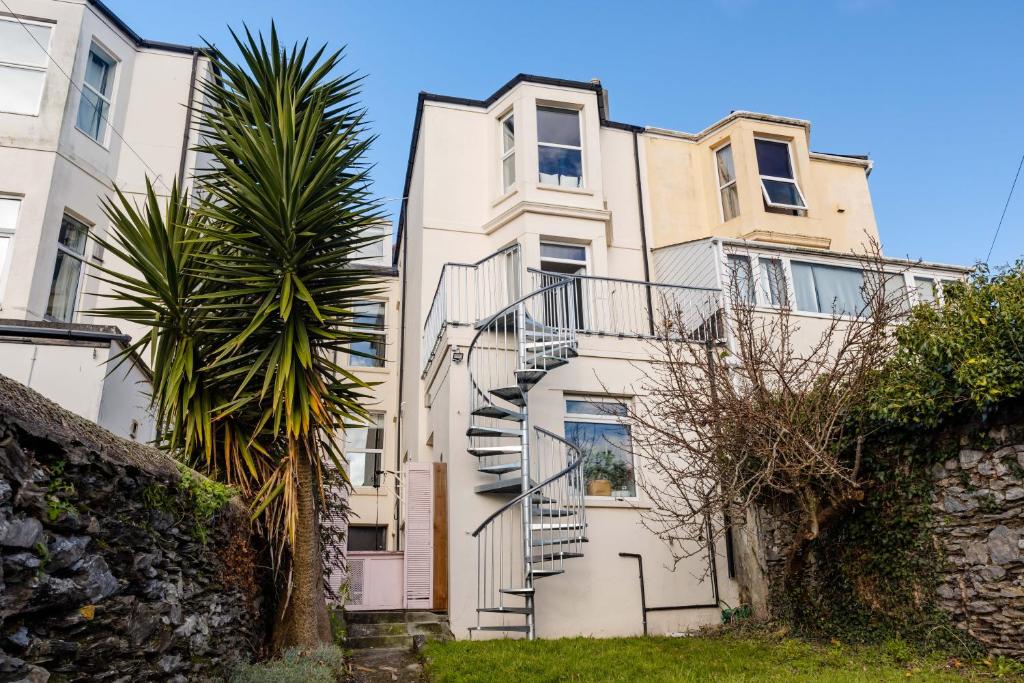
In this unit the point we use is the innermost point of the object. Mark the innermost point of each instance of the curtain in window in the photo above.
(824, 289)
(742, 278)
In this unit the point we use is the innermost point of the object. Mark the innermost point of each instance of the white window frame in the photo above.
(365, 451)
(732, 183)
(793, 181)
(506, 154)
(603, 419)
(583, 158)
(568, 261)
(9, 234)
(31, 67)
(81, 268)
(115, 64)
(382, 333)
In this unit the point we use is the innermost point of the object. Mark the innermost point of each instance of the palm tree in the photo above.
(248, 286)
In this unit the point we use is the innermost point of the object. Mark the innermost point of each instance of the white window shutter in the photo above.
(419, 536)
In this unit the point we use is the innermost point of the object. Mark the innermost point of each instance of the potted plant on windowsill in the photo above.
(604, 473)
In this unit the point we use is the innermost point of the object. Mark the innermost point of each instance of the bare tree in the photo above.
(766, 422)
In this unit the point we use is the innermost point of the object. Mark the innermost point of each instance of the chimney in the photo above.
(604, 97)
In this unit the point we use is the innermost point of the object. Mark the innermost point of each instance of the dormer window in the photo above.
(559, 147)
(778, 182)
(508, 153)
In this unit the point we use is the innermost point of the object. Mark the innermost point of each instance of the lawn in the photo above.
(723, 658)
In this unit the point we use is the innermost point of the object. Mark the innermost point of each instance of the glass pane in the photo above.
(21, 46)
(773, 281)
(741, 278)
(608, 463)
(5, 246)
(362, 468)
(508, 171)
(9, 213)
(508, 134)
(726, 172)
(730, 202)
(566, 252)
(558, 126)
(584, 407)
(773, 158)
(91, 113)
(370, 251)
(374, 349)
(562, 167)
(371, 436)
(896, 291)
(20, 90)
(925, 289)
(73, 235)
(782, 192)
(368, 316)
(97, 73)
(824, 289)
(365, 538)
(64, 288)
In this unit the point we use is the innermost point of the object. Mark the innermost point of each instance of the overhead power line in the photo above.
(77, 87)
(1005, 207)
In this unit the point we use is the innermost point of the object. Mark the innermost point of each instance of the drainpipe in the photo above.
(188, 116)
(643, 230)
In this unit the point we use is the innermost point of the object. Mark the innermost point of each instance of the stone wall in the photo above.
(979, 512)
(108, 573)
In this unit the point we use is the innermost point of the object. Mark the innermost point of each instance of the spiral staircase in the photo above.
(544, 523)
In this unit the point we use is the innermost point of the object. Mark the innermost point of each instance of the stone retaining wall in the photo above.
(107, 574)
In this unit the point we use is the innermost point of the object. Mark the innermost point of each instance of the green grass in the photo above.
(721, 658)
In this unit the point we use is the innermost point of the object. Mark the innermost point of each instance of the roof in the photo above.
(598, 89)
(136, 38)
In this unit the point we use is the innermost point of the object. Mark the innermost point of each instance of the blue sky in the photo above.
(933, 91)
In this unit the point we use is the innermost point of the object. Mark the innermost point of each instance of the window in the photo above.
(67, 270)
(368, 318)
(372, 252)
(364, 448)
(778, 184)
(741, 278)
(94, 107)
(596, 427)
(559, 147)
(23, 62)
(926, 289)
(366, 538)
(772, 282)
(564, 259)
(9, 209)
(727, 183)
(508, 153)
(826, 289)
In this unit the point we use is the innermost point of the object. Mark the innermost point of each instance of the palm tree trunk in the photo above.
(302, 619)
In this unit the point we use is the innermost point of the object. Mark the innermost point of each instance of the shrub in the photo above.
(325, 664)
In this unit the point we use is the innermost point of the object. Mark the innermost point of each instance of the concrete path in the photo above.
(385, 664)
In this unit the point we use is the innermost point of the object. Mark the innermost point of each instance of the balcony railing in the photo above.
(469, 292)
(635, 308)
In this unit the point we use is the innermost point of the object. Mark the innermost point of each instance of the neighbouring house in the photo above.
(539, 244)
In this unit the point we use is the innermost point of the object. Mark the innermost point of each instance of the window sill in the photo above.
(363, 368)
(631, 503)
(568, 190)
(368, 491)
(105, 147)
(19, 113)
(511, 193)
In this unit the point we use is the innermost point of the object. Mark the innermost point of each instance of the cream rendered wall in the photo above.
(51, 369)
(682, 187)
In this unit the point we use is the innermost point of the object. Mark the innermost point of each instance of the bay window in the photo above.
(559, 147)
(778, 182)
(67, 271)
(23, 61)
(97, 87)
(508, 153)
(597, 427)
(727, 183)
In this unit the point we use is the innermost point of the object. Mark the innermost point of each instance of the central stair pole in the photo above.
(524, 471)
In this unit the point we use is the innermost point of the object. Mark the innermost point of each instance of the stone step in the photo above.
(382, 628)
(389, 642)
(391, 615)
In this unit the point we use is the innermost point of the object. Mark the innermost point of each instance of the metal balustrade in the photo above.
(468, 292)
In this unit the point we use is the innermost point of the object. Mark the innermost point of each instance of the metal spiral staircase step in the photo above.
(510, 627)
(557, 526)
(527, 378)
(513, 395)
(543, 362)
(505, 610)
(554, 512)
(503, 468)
(541, 573)
(517, 591)
(547, 557)
(476, 430)
(502, 486)
(499, 413)
(562, 540)
(483, 451)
